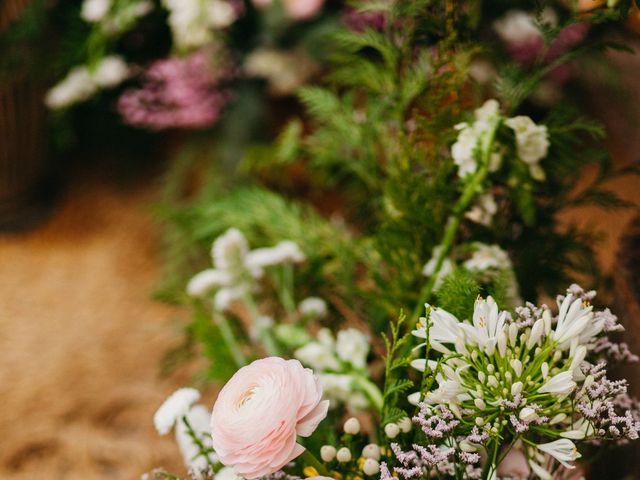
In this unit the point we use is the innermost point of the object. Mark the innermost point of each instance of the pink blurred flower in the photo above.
(177, 93)
(260, 412)
(514, 465)
(360, 21)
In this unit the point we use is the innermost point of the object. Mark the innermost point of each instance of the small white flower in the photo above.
(539, 471)
(227, 473)
(110, 71)
(560, 384)
(528, 414)
(284, 252)
(95, 10)
(517, 27)
(353, 346)
(573, 320)
(488, 323)
(562, 450)
(204, 281)
(483, 210)
(486, 257)
(284, 70)
(443, 328)
(76, 87)
(313, 307)
(317, 356)
(193, 22)
(224, 297)
(174, 408)
(532, 143)
(464, 149)
(229, 250)
(430, 267)
(573, 434)
(328, 453)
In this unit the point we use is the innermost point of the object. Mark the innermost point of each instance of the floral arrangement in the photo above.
(522, 393)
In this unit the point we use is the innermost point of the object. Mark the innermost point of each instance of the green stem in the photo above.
(229, 339)
(311, 461)
(202, 449)
(470, 191)
(267, 340)
(371, 391)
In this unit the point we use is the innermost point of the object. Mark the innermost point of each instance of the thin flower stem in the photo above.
(470, 191)
(202, 449)
(229, 339)
(371, 391)
(310, 460)
(267, 340)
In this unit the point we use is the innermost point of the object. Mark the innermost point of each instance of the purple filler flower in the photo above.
(177, 93)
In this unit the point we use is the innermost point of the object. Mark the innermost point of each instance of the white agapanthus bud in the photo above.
(536, 333)
(328, 453)
(352, 426)
(545, 370)
(517, 366)
(405, 424)
(493, 381)
(371, 451)
(371, 467)
(516, 388)
(528, 414)
(560, 384)
(559, 418)
(513, 334)
(502, 344)
(562, 450)
(573, 434)
(343, 455)
(480, 403)
(391, 430)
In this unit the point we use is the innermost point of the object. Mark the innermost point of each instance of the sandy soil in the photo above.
(80, 342)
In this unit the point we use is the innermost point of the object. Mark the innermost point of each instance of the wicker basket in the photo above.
(21, 137)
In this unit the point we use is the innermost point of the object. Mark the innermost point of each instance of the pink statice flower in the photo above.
(360, 21)
(177, 93)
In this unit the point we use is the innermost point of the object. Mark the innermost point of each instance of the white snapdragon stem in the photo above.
(471, 190)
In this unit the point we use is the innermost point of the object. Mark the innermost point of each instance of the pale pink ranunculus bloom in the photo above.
(260, 412)
(514, 465)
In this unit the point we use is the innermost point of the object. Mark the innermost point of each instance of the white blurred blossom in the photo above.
(429, 269)
(193, 22)
(483, 210)
(532, 143)
(111, 71)
(95, 10)
(284, 70)
(313, 307)
(353, 346)
(176, 406)
(487, 257)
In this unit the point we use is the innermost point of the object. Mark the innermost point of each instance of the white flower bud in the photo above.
(545, 370)
(513, 334)
(559, 418)
(516, 388)
(493, 381)
(371, 451)
(391, 430)
(482, 377)
(491, 368)
(517, 366)
(479, 421)
(528, 414)
(536, 333)
(344, 455)
(352, 426)
(467, 447)
(573, 434)
(328, 453)
(405, 424)
(371, 467)
(480, 403)
(546, 317)
(502, 343)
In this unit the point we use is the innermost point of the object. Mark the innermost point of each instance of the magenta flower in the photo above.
(177, 93)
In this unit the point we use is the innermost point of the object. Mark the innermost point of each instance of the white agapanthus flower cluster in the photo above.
(83, 82)
(338, 362)
(532, 142)
(236, 268)
(193, 22)
(526, 377)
